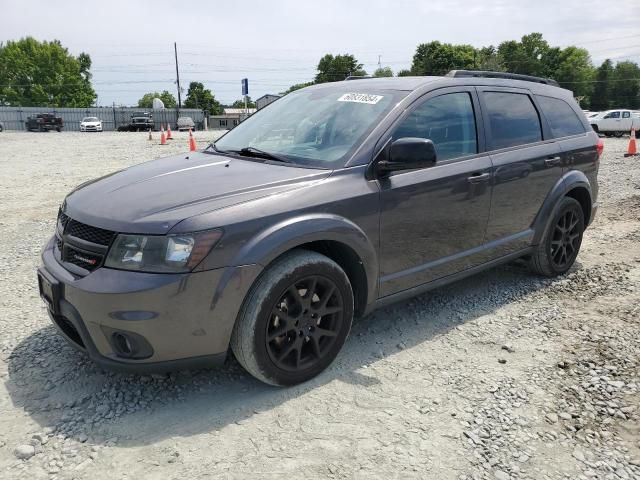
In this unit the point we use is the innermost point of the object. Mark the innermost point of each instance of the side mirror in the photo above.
(407, 154)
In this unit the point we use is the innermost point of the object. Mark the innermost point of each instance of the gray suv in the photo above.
(333, 201)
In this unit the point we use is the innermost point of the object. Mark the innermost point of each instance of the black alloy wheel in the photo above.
(304, 323)
(565, 240)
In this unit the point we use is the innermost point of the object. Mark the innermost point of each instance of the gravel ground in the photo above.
(501, 376)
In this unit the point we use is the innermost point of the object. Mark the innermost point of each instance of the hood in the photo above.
(153, 197)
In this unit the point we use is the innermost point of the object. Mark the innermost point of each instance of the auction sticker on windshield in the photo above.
(360, 98)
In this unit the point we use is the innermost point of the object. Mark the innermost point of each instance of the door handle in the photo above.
(478, 178)
(552, 161)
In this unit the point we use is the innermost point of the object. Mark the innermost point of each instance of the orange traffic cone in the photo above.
(632, 150)
(169, 137)
(192, 142)
(163, 139)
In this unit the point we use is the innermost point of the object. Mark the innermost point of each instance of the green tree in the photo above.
(334, 69)
(383, 72)
(575, 72)
(240, 103)
(405, 73)
(625, 90)
(34, 73)
(435, 58)
(167, 98)
(297, 86)
(601, 97)
(200, 97)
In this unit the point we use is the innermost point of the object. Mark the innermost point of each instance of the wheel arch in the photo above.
(574, 184)
(336, 237)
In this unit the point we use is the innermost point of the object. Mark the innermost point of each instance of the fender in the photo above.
(277, 239)
(569, 181)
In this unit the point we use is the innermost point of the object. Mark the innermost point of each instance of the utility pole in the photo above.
(175, 50)
(379, 61)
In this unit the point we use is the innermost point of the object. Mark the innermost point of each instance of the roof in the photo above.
(268, 95)
(239, 111)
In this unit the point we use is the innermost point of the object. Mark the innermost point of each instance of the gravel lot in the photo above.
(501, 376)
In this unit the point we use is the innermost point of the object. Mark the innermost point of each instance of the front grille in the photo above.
(88, 254)
(89, 233)
(86, 260)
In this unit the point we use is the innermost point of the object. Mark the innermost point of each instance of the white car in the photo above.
(91, 124)
(615, 123)
(185, 123)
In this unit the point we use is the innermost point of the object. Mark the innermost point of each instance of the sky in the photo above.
(278, 43)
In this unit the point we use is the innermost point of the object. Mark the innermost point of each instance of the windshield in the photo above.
(318, 127)
(90, 119)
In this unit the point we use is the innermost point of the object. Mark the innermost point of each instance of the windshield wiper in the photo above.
(256, 152)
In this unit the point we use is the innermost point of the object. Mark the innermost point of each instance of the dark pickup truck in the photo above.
(43, 122)
(140, 121)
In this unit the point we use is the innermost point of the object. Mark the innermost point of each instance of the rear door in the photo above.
(433, 220)
(625, 124)
(527, 163)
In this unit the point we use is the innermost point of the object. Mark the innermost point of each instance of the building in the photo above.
(265, 100)
(230, 118)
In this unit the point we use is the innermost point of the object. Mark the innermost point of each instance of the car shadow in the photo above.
(62, 389)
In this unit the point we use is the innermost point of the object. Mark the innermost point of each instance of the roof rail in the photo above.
(507, 75)
(357, 77)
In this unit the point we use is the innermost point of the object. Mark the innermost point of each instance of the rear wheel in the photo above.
(561, 241)
(295, 319)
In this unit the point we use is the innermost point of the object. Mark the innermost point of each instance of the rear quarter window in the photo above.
(562, 119)
(513, 119)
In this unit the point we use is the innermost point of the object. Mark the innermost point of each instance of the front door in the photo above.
(432, 219)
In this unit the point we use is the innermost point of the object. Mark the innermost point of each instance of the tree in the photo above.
(405, 73)
(297, 86)
(575, 72)
(334, 69)
(600, 99)
(240, 103)
(435, 58)
(199, 97)
(383, 72)
(34, 73)
(625, 92)
(167, 98)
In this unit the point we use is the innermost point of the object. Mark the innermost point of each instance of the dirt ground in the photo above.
(501, 376)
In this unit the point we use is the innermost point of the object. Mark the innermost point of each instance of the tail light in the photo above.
(600, 148)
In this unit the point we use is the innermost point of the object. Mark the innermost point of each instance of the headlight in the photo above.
(161, 253)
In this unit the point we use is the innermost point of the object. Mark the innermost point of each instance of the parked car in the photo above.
(185, 123)
(43, 122)
(337, 199)
(91, 124)
(1, 127)
(615, 123)
(140, 122)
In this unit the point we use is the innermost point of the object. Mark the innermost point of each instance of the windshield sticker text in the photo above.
(360, 98)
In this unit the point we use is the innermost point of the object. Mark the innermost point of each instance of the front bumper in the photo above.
(178, 320)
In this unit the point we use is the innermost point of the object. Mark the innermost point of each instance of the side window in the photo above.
(513, 119)
(448, 121)
(626, 114)
(613, 115)
(562, 118)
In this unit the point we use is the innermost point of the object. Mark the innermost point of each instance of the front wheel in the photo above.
(561, 241)
(294, 320)
(618, 134)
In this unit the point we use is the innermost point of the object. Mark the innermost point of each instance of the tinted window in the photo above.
(513, 119)
(448, 121)
(613, 115)
(561, 117)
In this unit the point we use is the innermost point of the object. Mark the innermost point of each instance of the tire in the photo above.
(297, 343)
(561, 240)
(618, 134)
